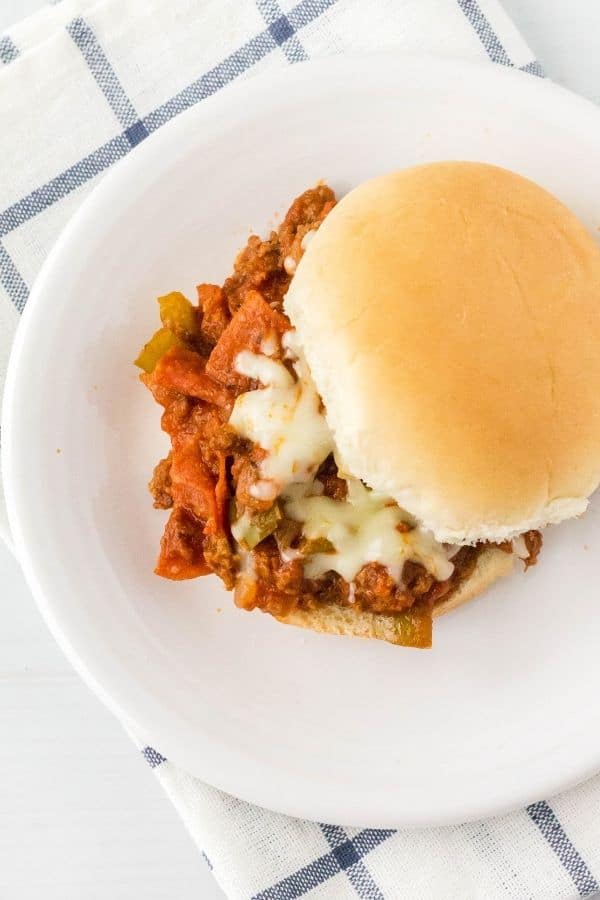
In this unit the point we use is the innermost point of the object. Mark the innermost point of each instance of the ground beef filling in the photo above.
(209, 473)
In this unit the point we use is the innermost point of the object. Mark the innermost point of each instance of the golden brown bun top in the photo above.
(450, 315)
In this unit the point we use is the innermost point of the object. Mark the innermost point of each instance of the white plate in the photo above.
(504, 709)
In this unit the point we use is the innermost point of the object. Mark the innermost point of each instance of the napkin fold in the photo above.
(81, 84)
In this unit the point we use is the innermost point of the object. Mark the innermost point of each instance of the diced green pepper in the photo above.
(251, 537)
(268, 520)
(250, 531)
(310, 546)
(287, 532)
(178, 315)
(413, 630)
(161, 341)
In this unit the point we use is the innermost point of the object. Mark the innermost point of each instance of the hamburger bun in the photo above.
(450, 317)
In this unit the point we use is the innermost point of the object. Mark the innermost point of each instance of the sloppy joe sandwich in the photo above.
(377, 413)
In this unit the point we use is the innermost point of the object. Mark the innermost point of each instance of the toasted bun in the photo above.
(332, 619)
(450, 316)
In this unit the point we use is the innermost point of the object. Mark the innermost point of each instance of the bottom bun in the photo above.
(491, 564)
(406, 629)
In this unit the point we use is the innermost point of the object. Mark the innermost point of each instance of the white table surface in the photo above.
(81, 815)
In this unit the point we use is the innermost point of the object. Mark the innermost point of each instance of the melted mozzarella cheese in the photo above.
(269, 344)
(283, 417)
(362, 529)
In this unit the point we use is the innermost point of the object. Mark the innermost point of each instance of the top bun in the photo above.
(450, 316)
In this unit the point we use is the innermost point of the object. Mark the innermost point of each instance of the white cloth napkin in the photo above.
(83, 82)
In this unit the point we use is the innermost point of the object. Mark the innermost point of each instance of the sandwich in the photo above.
(379, 411)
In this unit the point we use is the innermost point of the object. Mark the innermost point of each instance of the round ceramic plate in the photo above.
(504, 709)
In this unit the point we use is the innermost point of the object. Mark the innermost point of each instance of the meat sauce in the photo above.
(210, 476)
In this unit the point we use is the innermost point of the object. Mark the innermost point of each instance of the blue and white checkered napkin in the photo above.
(81, 84)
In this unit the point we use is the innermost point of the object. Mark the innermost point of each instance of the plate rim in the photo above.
(253, 787)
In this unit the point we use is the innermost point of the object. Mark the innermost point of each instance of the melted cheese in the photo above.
(283, 417)
(263, 490)
(363, 529)
(269, 344)
(289, 264)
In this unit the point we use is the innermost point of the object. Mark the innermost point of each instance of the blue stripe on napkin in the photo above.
(107, 80)
(61, 185)
(547, 821)
(210, 82)
(349, 860)
(12, 281)
(533, 68)
(236, 64)
(153, 757)
(485, 32)
(282, 30)
(8, 50)
(346, 856)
